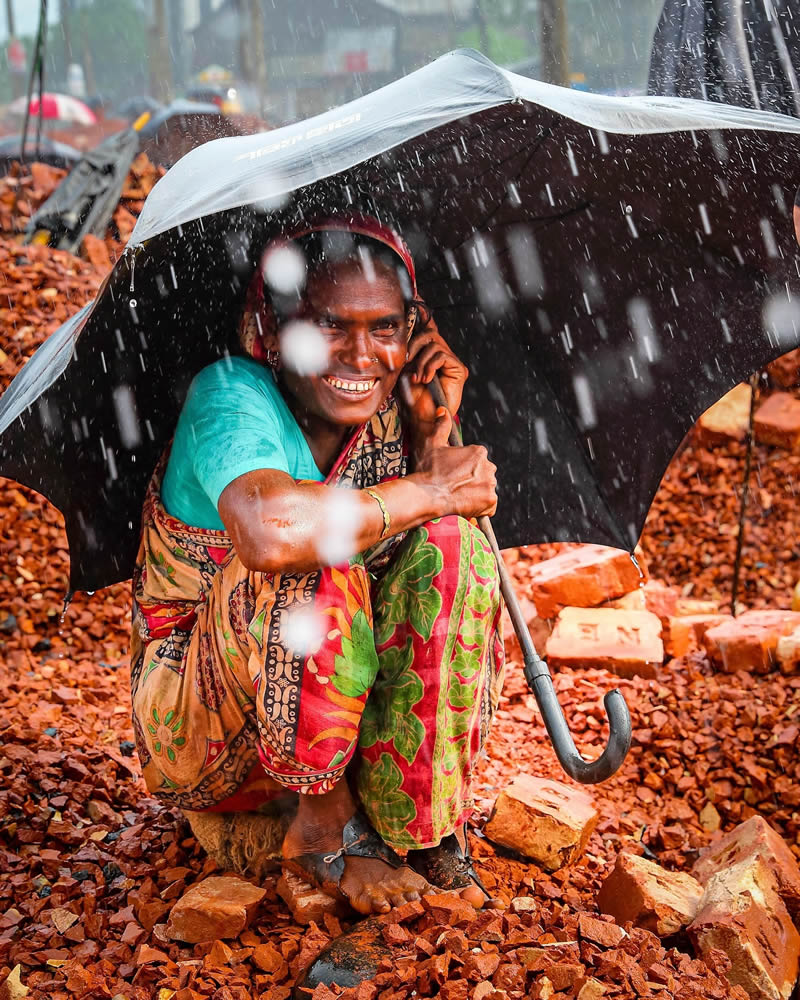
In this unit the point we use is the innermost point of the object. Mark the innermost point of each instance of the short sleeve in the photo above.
(234, 427)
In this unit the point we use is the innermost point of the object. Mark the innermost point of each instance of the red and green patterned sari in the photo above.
(393, 676)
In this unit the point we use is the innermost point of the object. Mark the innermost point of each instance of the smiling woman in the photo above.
(314, 610)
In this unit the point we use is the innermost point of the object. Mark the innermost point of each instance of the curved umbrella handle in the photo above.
(588, 772)
(541, 684)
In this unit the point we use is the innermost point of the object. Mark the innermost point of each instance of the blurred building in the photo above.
(320, 55)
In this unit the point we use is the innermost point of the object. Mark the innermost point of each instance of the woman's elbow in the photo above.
(272, 550)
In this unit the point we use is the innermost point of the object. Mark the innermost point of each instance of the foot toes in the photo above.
(473, 895)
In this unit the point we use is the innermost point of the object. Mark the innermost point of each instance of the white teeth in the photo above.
(350, 386)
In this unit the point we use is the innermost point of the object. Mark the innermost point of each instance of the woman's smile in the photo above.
(349, 387)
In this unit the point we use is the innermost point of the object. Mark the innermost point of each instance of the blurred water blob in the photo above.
(303, 348)
(284, 268)
(487, 278)
(781, 317)
(336, 543)
(304, 631)
(127, 416)
(641, 322)
(585, 400)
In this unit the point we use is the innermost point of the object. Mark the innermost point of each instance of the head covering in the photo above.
(259, 322)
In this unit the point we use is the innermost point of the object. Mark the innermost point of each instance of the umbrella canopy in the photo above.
(56, 154)
(607, 268)
(55, 107)
(133, 107)
(734, 51)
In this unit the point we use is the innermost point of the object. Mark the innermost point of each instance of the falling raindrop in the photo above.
(644, 331)
(284, 269)
(768, 235)
(304, 631)
(304, 348)
(526, 262)
(336, 543)
(781, 319)
(127, 416)
(585, 401)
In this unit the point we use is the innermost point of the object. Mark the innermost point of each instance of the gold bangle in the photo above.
(387, 521)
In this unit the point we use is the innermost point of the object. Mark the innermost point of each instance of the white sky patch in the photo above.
(304, 630)
(304, 348)
(284, 269)
(337, 541)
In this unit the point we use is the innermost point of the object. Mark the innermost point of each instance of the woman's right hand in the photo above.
(462, 479)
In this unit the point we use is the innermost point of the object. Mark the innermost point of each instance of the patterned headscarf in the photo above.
(259, 323)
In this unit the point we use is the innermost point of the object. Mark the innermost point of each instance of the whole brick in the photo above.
(649, 896)
(691, 606)
(755, 838)
(627, 643)
(216, 908)
(741, 915)
(749, 642)
(544, 820)
(685, 633)
(583, 577)
(777, 421)
(728, 419)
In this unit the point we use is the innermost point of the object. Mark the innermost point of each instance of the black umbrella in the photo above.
(743, 52)
(603, 288)
(47, 150)
(85, 200)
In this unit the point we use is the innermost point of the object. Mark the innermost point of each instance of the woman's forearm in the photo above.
(277, 525)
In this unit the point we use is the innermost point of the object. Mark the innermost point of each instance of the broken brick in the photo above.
(582, 577)
(217, 908)
(777, 421)
(742, 916)
(544, 820)
(754, 838)
(649, 896)
(728, 419)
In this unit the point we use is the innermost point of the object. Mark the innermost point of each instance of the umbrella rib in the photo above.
(549, 133)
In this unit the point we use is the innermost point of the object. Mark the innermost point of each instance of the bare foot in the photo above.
(446, 868)
(369, 885)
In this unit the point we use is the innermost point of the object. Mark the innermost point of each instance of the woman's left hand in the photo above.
(429, 355)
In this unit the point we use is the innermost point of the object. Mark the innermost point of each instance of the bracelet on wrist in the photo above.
(387, 520)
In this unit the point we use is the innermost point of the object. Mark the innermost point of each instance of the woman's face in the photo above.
(361, 313)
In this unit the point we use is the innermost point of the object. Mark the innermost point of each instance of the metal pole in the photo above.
(555, 59)
(748, 461)
(16, 78)
(160, 68)
(259, 61)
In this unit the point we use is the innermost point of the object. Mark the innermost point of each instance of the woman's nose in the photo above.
(357, 352)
